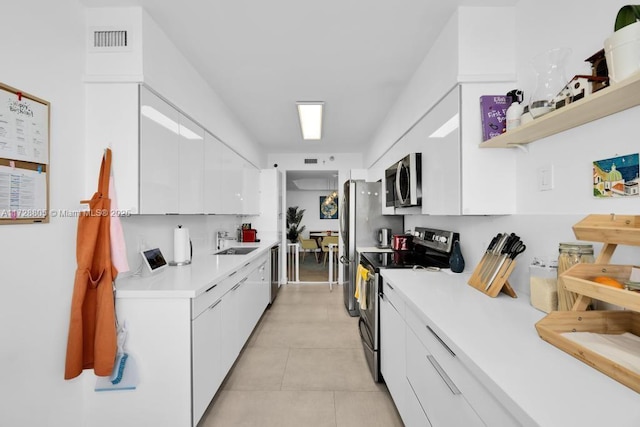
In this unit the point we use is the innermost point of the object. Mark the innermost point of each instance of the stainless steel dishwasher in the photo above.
(275, 272)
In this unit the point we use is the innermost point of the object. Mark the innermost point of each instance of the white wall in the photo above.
(310, 200)
(42, 45)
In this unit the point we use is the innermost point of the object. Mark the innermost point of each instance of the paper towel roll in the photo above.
(181, 246)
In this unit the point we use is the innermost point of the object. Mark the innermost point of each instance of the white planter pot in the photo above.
(622, 51)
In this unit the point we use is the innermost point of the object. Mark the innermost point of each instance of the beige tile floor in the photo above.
(303, 366)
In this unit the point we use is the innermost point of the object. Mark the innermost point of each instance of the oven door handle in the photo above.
(364, 341)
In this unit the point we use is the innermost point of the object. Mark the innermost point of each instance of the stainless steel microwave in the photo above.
(403, 182)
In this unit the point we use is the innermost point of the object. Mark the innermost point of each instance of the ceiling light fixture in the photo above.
(310, 115)
(448, 127)
(164, 121)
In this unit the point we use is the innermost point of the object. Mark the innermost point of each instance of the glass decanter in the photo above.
(551, 79)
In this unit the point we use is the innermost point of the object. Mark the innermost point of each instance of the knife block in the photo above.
(500, 283)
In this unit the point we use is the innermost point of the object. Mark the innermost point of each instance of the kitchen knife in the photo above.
(516, 251)
(488, 256)
(488, 251)
(512, 243)
(495, 257)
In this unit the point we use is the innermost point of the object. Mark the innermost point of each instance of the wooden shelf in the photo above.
(579, 279)
(605, 102)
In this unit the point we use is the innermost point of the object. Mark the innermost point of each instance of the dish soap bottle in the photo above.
(514, 112)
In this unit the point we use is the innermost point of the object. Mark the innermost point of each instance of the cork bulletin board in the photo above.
(24, 157)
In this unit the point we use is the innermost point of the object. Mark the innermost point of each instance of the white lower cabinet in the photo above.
(414, 414)
(438, 395)
(392, 349)
(206, 356)
(429, 384)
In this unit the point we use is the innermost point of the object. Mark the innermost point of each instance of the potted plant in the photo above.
(294, 217)
(622, 49)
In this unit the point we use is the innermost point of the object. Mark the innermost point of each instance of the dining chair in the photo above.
(309, 245)
(326, 241)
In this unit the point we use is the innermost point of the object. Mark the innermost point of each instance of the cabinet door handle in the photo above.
(233, 274)
(210, 288)
(239, 284)
(440, 340)
(247, 264)
(390, 287)
(443, 375)
(212, 306)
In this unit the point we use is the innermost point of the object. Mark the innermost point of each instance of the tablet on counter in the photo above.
(153, 259)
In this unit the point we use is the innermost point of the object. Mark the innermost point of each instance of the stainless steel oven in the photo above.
(369, 317)
(403, 182)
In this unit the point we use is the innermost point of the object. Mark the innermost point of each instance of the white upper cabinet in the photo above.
(213, 174)
(164, 162)
(159, 154)
(191, 167)
(250, 189)
(458, 178)
(440, 132)
(171, 159)
(231, 181)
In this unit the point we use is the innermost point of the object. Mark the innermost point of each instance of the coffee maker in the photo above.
(384, 238)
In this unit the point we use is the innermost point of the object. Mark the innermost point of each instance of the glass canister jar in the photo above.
(570, 254)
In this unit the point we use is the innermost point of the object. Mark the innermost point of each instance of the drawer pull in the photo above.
(443, 375)
(247, 264)
(212, 306)
(210, 288)
(239, 283)
(232, 274)
(390, 287)
(440, 340)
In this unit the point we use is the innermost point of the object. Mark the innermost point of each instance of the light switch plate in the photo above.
(545, 178)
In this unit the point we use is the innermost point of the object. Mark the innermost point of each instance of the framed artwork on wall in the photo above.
(328, 208)
(616, 177)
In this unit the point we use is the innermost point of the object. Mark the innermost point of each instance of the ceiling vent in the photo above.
(109, 40)
(310, 161)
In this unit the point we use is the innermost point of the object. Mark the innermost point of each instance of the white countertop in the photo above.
(496, 339)
(188, 281)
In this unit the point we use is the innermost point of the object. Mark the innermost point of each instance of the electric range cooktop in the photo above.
(430, 248)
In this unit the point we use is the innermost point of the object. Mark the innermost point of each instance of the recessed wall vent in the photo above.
(310, 161)
(109, 39)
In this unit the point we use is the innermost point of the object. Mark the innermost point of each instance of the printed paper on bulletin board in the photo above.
(24, 157)
(24, 128)
(23, 193)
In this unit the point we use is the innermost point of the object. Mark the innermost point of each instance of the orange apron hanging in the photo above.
(92, 328)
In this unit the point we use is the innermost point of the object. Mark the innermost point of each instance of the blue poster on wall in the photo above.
(328, 207)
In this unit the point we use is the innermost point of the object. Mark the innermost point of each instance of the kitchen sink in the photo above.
(236, 251)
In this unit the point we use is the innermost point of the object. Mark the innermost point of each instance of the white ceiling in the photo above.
(263, 56)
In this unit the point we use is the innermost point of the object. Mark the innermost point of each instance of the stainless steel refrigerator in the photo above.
(360, 221)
